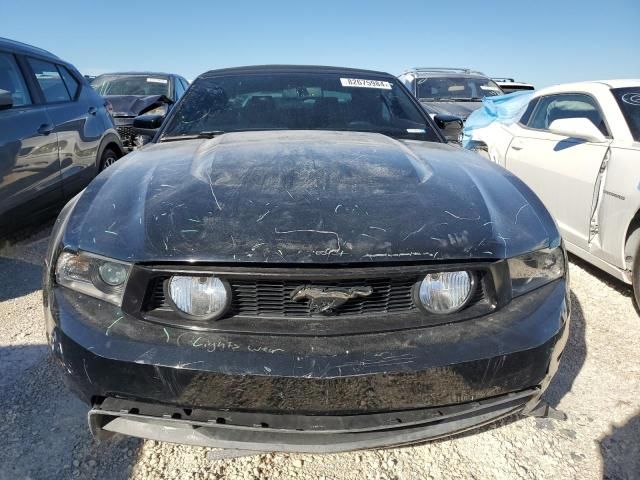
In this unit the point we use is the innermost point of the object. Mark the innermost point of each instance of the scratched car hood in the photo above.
(307, 197)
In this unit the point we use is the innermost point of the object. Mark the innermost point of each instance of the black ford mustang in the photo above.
(298, 262)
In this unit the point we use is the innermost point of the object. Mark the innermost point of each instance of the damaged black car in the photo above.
(131, 94)
(299, 262)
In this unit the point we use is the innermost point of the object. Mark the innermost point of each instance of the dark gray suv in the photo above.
(55, 134)
(449, 91)
(138, 93)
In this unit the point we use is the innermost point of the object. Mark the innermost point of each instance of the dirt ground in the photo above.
(44, 435)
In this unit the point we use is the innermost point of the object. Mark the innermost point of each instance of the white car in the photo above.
(578, 147)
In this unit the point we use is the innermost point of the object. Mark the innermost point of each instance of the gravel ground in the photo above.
(43, 432)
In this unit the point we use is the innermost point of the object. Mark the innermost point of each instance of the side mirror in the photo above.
(450, 125)
(581, 128)
(6, 100)
(145, 128)
(148, 122)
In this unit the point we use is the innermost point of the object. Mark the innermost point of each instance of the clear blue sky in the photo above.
(541, 41)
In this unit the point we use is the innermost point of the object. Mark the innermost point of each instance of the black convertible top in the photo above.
(293, 69)
(139, 73)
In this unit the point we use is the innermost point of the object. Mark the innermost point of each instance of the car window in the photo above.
(629, 101)
(50, 81)
(179, 88)
(297, 101)
(407, 80)
(11, 80)
(142, 85)
(456, 88)
(69, 80)
(527, 113)
(570, 105)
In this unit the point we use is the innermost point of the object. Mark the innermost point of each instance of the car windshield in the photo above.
(298, 101)
(629, 101)
(456, 88)
(142, 85)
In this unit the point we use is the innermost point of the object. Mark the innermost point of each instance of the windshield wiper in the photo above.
(207, 134)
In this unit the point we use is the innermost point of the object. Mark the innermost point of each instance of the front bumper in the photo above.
(305, 393)
(124, 126)
(297, 433)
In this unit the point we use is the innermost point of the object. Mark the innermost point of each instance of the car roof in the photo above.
(426, 72)
(510, 82)
(24, 48)
(293, 69)
(621, 82)
(589, 86)
(513, 84)
(138, 73)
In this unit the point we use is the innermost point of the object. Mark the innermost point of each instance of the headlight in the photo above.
(535, 269)
(446, 292)
(200, 298)
(161, 110)
(93, 275)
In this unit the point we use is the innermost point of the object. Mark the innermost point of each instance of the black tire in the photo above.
(109, 157)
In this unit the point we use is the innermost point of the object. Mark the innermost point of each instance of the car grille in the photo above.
(272, 297)
(126, 135)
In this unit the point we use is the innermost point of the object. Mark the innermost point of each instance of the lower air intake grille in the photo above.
(126, 135)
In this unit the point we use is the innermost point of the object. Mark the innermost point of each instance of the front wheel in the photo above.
(635, 278)
(109, 157)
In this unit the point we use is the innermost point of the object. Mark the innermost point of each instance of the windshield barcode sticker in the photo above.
(156, 80)
(363, 83)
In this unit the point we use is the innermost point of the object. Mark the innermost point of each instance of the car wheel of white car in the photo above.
(635, 277)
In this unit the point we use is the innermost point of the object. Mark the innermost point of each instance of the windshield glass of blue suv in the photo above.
(142, 85)
(456, 88)
(314, 101)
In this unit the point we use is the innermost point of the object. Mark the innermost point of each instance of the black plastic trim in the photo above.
(298, 433)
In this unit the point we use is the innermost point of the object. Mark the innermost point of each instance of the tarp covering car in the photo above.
(502, 108)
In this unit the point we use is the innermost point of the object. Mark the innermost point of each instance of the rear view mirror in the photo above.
(6, 100)
(145, 128)
(450, 125)
(581, 128)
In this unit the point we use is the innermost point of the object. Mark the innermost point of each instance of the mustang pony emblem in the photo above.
(326, 299)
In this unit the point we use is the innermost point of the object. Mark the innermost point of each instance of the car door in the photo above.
(74, 116)
(29, 163)
(563, 171)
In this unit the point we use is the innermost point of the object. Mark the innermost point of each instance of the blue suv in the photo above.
(55, 134)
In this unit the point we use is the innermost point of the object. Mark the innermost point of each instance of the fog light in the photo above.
(113, 274)
(203, 298)
(446, 292)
